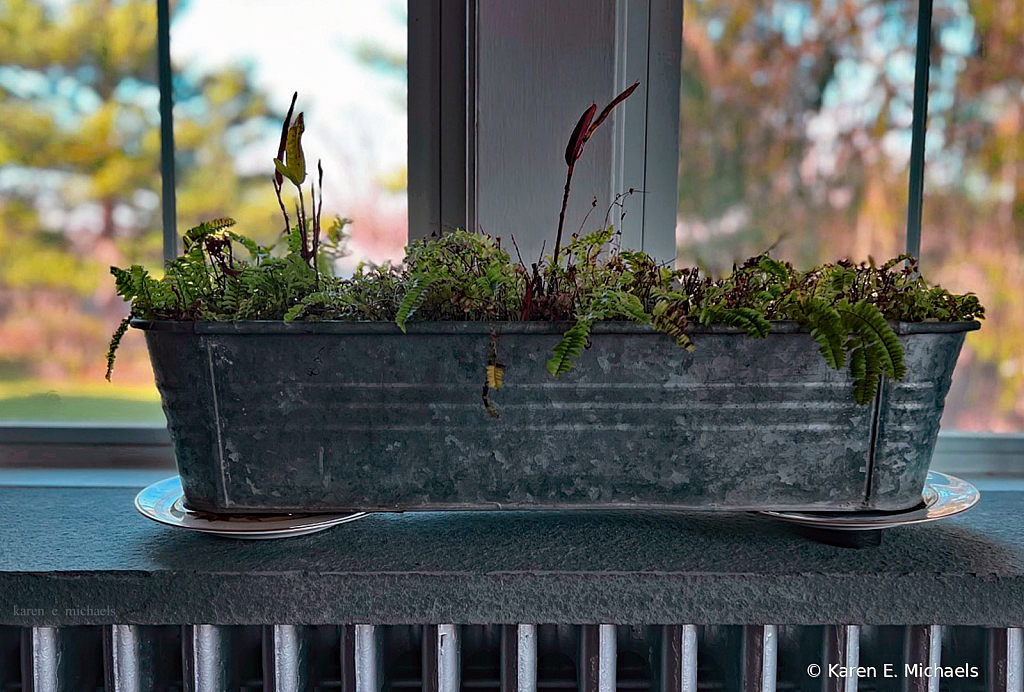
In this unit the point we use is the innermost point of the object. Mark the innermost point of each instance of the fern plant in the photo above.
(847, 308)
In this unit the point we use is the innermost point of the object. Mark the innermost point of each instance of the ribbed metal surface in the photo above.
(606, 648)
(688, 659)
(284, 664)
(678, 665)
(526, 658)
(139, 658)
(1014, 676)
(841, 649)
(206, 661)
(442, 658)
(40, 660)
(367, 658)
(922, 654)
(760, 658)
(638, 422)
(123, 670)
(597, 672)
(520, 658)
(449, 658)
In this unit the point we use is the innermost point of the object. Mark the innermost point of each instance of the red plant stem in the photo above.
(318, 207)
(561, 217)
(278, 178)
(316, 233)
(302, 223)
(580, 135)
(280, 202)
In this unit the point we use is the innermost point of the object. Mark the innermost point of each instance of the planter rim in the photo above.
(274, 327)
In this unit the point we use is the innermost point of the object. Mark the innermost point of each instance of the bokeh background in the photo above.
(795, 136)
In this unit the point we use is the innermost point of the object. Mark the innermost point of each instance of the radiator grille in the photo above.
(520, 658)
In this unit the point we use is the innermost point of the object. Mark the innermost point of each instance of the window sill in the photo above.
(87, 556)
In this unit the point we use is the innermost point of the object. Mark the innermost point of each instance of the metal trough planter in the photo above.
(338, 416)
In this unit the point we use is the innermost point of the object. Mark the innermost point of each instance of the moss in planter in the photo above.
(468, 276)
(471, 276)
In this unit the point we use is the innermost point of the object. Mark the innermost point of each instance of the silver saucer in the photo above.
(162, 502)
(943, 496)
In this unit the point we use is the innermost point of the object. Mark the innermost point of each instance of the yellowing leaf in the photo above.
(285, 171)
(495, 375)
(293, 156)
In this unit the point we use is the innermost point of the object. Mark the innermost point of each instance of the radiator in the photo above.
(520, 658)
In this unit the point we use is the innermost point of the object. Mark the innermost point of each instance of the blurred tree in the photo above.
(795, 132)
(80, 172)
(974, 201)
(787, 109)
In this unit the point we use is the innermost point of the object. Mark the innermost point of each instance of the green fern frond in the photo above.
(296, 310)
(841, 280)
(613, 304)
(669, 316)
(589, 246)
(294, 241)
(488, 284)
(321, 298)
(826, 327)
(256, 251)
(863, 318)
(496, 275)
(197, 234)
(572, 344)
(896, 260)
(137, 286)
(748, 319)
(631, 307)
(779, 270)
(636, 262)
(123, 283)
(234, 294)
(865, 369)
(414, 298)
(858, 372)
(115, 341)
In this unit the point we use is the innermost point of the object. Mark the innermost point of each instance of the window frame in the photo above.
(442, 137)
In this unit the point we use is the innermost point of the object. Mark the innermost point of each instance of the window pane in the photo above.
(347, 61)
(795, 129)
(80, 165)
(795, 135)
(79, 191)
(973, 237)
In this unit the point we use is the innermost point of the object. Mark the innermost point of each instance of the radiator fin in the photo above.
(509, 658)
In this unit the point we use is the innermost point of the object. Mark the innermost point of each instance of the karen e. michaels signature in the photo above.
(76, 611)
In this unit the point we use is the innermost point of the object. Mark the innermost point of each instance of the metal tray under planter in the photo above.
(346, 416)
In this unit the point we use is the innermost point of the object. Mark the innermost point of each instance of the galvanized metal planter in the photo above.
(274, 417)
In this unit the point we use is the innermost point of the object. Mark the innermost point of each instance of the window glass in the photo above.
(79, 191)
(795, 136)
(346, 60)
(80, 164)
(973, 237)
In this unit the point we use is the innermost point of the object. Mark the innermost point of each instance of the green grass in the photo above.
(42, 402)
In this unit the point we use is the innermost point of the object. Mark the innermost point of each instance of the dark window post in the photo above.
(163, 49)
(920, 122)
